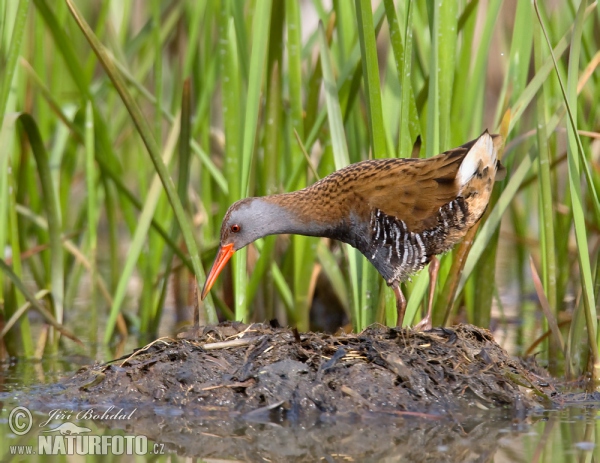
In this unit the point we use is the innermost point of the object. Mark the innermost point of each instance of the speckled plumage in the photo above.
(399, 213)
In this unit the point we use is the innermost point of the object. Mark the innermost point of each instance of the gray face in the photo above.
(250, 219)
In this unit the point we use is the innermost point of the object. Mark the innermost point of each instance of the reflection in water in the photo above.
(551, 436)
(350, 437)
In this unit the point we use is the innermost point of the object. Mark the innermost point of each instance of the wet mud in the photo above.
(225, 388)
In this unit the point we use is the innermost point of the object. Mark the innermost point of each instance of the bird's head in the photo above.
(245, 221)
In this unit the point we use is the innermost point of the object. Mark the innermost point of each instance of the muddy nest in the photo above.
(265, 372)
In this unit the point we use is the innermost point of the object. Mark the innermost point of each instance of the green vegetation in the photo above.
(129, 128)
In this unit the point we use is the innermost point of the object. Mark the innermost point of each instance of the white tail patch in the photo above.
(484, 152)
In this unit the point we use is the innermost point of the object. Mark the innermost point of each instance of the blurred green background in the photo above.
(129, 127)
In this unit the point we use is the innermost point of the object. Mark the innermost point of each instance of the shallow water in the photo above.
(571, 434)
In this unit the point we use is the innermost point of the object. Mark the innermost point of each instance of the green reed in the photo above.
(113, 170)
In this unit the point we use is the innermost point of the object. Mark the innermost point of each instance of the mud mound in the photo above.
(267, 373)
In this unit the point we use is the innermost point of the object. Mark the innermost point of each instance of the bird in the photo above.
(400, 213)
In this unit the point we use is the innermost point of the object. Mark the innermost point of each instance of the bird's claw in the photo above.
(424, 325)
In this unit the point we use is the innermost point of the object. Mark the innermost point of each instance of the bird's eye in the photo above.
(235, 228)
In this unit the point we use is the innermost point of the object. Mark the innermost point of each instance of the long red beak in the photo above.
(223, 256)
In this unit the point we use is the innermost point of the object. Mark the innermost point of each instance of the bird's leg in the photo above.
(434, 268)
(400, 303)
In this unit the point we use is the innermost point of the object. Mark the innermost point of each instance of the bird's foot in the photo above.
(424, 325)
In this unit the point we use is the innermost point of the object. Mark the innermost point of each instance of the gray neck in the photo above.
(283, 216)
(292, 213)
(299, 213)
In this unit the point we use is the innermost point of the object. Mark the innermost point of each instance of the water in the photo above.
(571, 434)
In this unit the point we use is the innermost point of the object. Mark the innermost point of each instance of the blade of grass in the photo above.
(418, 289)
(140, 236)
(50, 319)
(304, 249)
(237, 13)
(185, 136)
(468, 28)
(105, 167)
(311, 107)
(338, 139)
(273, 145)
(341, 157)
(153, 150)
(548, 245)
(265, 248)
(370, 67)
(57, 284)
(204, 158)
(519, 58)
(283, 289)
(8, 215)
(519, 175)
(260, 35)
(540, 77)
(197, 13)
(7, 87)
(493, 220)
(158, 72)
(265, 260)
(19, 313)
(15, 249)
(68, 245)
(230, 99)
(150, 322)
(546, 307)
(7, 140)
(577, 159)
(14, 50)
(446, 35)
(344, 77)
(431, 140)
(106, 158)
(408, 128)
(474, 96)
(345, 18)
(233, 125)
(333, 272)
(483, 282)
(92, 216)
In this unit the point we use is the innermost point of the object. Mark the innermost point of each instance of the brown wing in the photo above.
(413, 190)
